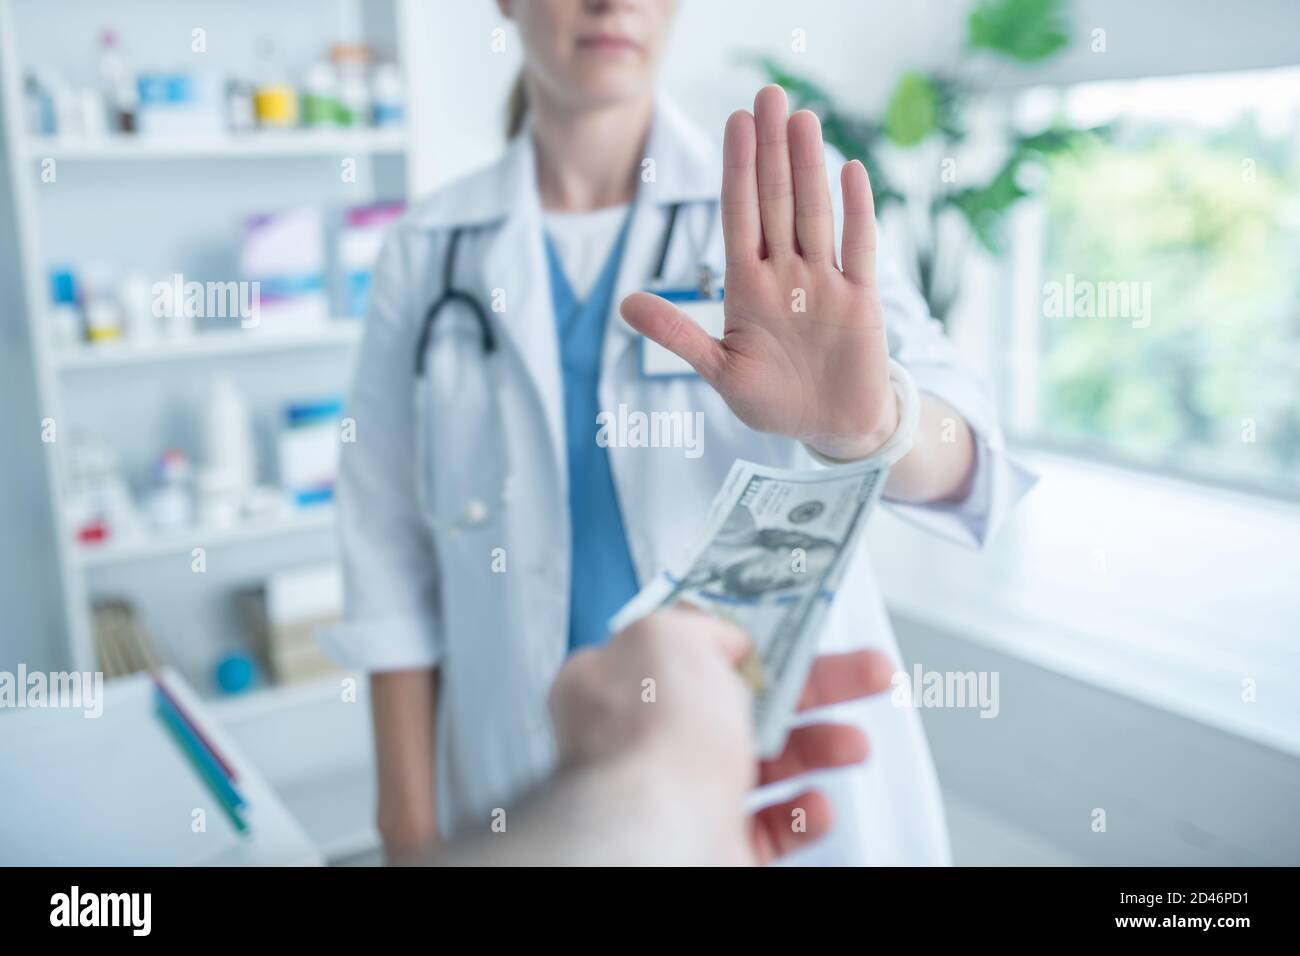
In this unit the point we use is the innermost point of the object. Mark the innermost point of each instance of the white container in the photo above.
(229, 455)
(389, 107)
(135, 296)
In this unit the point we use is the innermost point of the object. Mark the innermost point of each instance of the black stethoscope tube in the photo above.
(452, 294)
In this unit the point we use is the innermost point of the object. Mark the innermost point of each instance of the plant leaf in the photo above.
(1028, 31)
(854, 136)
(985, 206)
(913, 111)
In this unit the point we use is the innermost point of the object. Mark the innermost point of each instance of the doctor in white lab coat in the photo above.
(457, 526)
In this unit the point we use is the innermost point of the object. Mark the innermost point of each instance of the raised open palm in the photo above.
(804, 352)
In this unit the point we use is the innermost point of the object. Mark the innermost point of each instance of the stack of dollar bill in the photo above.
(771, 554)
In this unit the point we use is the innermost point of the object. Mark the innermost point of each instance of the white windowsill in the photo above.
(1162, 590)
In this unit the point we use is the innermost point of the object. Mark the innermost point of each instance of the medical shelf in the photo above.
(206, 345)
(153, 547)
(253, 145)
(195, 182)
(315, 751)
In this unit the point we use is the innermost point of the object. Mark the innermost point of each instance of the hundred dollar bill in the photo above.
(769, 558)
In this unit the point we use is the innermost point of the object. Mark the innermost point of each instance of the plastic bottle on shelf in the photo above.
(275, 101)
(171, 503)
(171, 310)
(276, 106)
(389, 107)
(135, 296)
(41, 119)
(229, 456)
(116, 86)
(241, 116)
(66, 328)
(351, 61)
(67, 109)
(102, 310)
(103, 321)
(97, 502)
(92, 110)
(320, 100)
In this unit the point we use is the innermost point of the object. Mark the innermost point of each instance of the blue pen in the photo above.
(211, 769)
(231, 812)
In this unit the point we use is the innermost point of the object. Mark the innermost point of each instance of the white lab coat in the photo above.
(488, 604)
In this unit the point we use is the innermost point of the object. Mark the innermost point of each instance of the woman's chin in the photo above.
(607, 84)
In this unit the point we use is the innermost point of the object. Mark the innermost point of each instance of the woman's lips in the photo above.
(607, 43)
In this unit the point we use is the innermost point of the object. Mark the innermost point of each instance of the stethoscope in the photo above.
(469, 510)
(477, 510)
(450, 295)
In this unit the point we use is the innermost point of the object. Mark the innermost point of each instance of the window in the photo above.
(1157, 316)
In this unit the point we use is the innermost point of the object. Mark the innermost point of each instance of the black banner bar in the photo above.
(334, 906)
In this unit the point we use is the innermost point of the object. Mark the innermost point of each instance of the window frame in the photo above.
(1014, 328)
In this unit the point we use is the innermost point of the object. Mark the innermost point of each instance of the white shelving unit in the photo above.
(141, 550)
(245, 145)
(251, 169)
(314, 749)
(194, 193)
(201, 347)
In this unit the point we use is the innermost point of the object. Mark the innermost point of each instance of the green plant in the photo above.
(926, 111)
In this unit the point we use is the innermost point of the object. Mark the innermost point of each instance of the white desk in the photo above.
(117, 790)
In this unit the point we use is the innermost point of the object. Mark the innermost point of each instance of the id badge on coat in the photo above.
(705, 311)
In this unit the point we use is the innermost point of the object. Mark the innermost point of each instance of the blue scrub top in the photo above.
(602, 578)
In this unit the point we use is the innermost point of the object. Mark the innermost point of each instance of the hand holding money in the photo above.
(655, 725)
(772, 552)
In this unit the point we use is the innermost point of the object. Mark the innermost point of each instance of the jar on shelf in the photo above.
(352, 60)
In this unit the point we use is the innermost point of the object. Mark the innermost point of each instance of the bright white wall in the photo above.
(460, 85)
(855, 48)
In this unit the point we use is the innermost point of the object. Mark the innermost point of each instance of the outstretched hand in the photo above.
(689, 757)
(803, 352)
